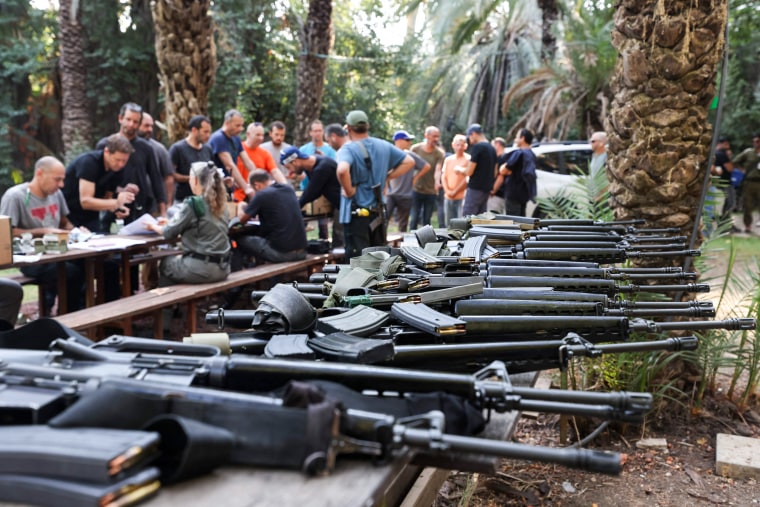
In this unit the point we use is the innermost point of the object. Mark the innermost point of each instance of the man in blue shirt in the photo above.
(364, 165)
(227, 147)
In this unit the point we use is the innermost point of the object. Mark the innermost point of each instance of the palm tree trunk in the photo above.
(664, 81)
(186, 57)
(76, 125)
(549, 15)
(312, 66)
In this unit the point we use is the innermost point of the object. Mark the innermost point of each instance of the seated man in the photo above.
(11, 295)
(39, 207)
(323, 182)
(281, 237)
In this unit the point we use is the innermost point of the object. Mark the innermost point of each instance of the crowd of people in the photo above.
(186, 186)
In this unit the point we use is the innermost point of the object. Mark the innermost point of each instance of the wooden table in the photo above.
(94, 253)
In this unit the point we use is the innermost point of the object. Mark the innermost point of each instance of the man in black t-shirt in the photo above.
(323, 182)
(91, 184)
(193, 148)
(723, 167)
(519, 174)
(141, 169)
(481, 171)
(281, 236)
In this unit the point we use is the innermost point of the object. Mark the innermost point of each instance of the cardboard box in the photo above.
(318, 207)
(232, 209)
(6, 241)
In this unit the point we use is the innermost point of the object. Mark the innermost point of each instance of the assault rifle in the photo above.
(518, 356)
(593, 285)
(525, 356)
(535, 305)
(485, 321)
(602, 255)
(536, 223)
(487, 389)
(306, 427)
(580, 272)
(609, 305)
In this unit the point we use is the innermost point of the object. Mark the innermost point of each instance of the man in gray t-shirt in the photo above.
(399, 191)
(39, 208)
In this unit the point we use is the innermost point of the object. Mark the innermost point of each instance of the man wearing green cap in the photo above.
(364, 165)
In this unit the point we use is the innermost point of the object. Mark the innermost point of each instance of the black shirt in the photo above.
(484, 157)
(323, 180)
(183, 155)
(141, 170)
(721, 159)
(280, 217)
(90, 167)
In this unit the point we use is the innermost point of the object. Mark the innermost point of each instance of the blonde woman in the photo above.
(454, 182)
(201, 222)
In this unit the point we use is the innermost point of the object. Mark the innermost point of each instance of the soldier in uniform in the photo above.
(202, 224)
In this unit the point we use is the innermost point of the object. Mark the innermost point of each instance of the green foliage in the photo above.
(258, 64)
(741, 107)
(25, 66)
(587, 197)
(564, 98)
(480, 48)
(121, 60)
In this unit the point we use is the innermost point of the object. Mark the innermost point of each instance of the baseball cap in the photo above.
(357, 118)
(402, 134)
(291, 153)
(475, 127)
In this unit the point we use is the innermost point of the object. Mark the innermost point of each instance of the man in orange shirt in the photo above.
(261, 158)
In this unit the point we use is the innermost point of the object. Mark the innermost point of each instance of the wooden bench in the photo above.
(89, 320)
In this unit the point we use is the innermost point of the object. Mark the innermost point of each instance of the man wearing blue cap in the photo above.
(323, 182)
(364, 165)
(481, 171)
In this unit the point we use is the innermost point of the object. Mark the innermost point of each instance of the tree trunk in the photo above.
(664, 81)
(76, 125)
(549, 15)
(186, 57)
(312, 66)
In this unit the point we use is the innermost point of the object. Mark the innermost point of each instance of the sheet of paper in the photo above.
(138, 226)
(26, 259)
(107, 243)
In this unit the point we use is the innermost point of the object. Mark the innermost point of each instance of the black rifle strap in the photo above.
(461, 417)
(321, 413)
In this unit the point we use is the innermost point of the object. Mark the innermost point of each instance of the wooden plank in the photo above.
(425, 489)
(162, 297)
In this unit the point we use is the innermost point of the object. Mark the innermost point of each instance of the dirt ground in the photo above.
(681, 475)
(682, 472)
